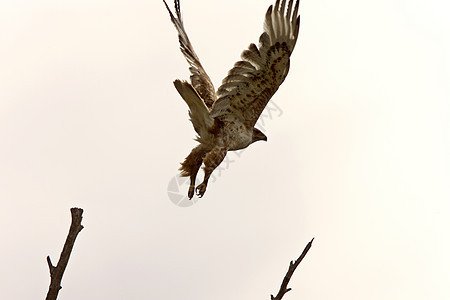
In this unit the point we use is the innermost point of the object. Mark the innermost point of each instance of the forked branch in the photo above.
(56, 273)
(292, 266)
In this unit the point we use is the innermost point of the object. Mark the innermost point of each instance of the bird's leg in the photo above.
(191, 165)
(192, 179)
(211, 161)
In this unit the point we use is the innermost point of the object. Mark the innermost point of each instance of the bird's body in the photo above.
(225, 120)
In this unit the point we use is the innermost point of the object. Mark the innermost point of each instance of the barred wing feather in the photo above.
(251, 83)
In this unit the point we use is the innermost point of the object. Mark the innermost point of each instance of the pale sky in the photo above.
(357, 153)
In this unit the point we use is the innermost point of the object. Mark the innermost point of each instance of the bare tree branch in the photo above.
(292, 266)
(56, 273)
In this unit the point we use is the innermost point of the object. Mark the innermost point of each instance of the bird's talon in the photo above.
(200, 190)
(191, 192)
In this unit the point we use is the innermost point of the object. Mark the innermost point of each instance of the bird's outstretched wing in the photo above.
(251, 83)
(199, 79)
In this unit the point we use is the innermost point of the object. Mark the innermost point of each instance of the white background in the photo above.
(358, 159)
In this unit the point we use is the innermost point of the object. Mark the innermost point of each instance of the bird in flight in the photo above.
(225, 120)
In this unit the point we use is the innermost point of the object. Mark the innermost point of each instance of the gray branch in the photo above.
(292, 266)
(56, 273)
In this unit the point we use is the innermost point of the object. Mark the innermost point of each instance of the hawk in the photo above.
(225, 120)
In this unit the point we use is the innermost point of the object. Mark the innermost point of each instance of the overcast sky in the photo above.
(357, 153)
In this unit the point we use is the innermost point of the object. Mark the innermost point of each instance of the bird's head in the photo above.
(258, 135)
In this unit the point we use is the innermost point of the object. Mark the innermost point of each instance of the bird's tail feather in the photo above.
(198, 112)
